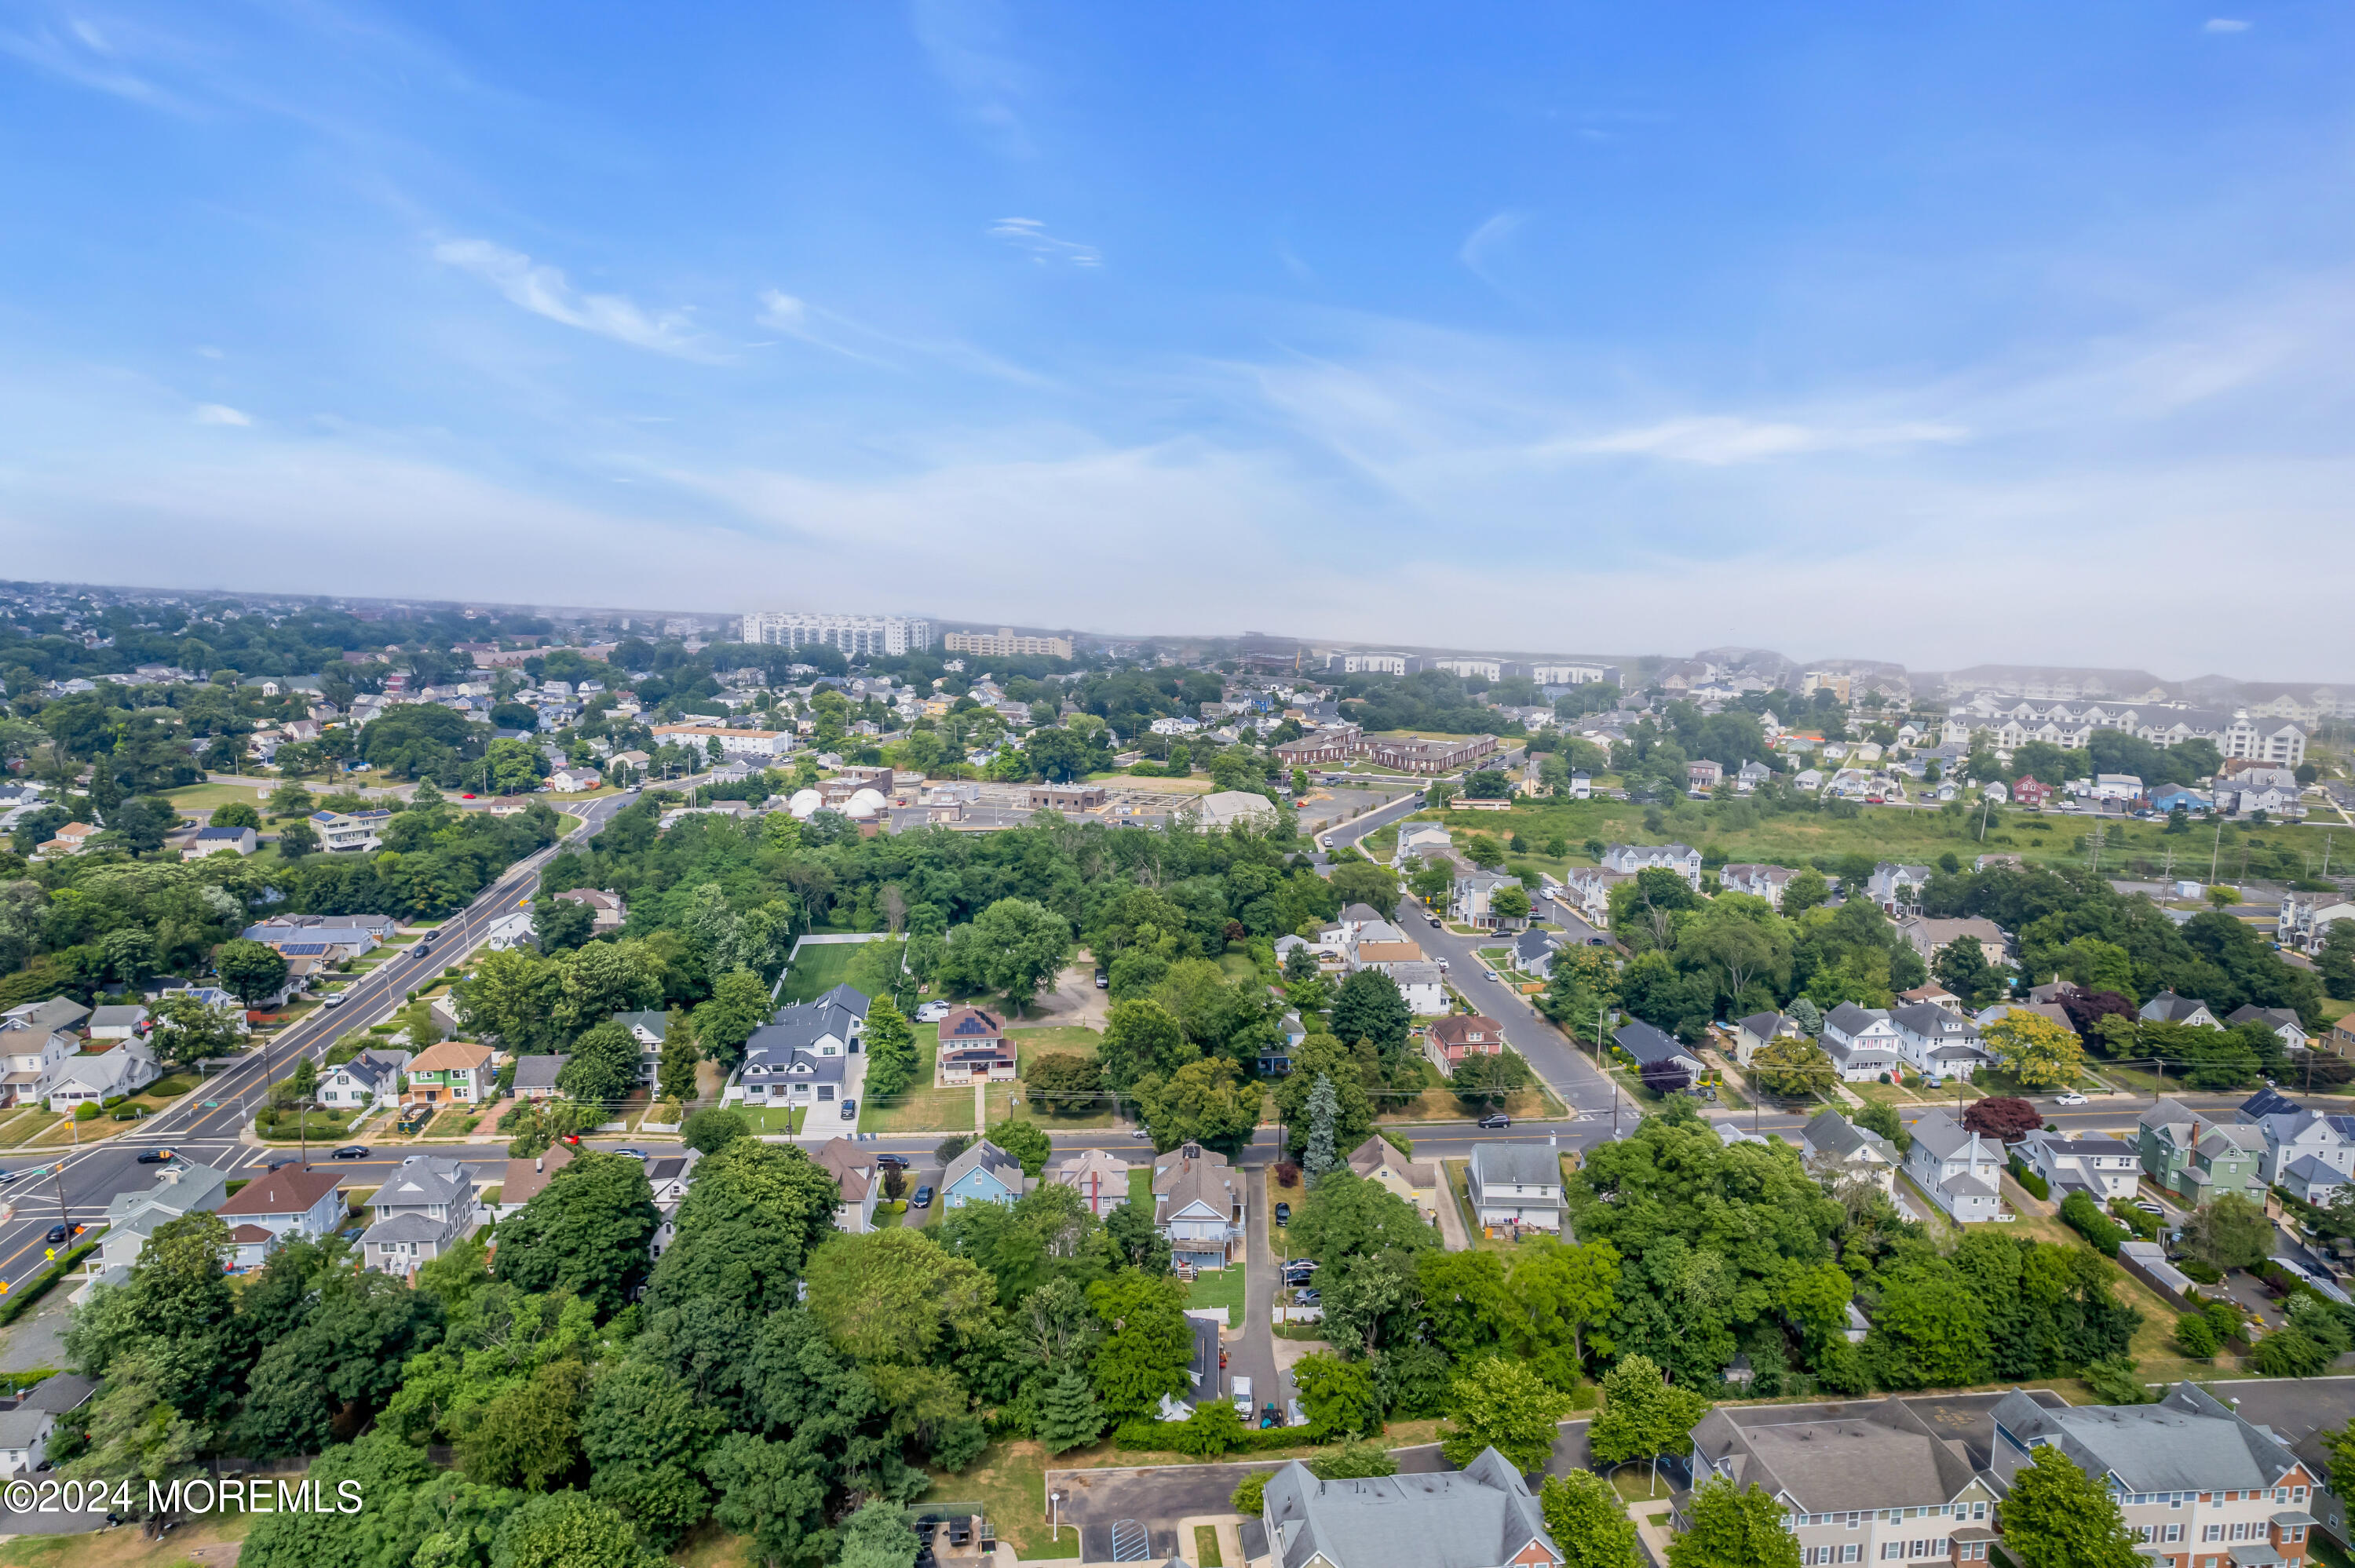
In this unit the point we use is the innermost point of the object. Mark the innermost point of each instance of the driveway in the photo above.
(1255, 1355)
(1075, 1000)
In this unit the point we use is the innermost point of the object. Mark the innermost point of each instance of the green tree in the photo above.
(2038, 1052)
(529, 1433)
(187, 1029)
(646, 1437)
(249, 970)
(568, 1530)
(1147, 1344)
(1370, 1008)
(1483, 1081)
(1023, 1139)
(2056, 1516)
(675, 1073)
(1644, 1416)
(605, 1066)
(1792, 1068)
(1363, 882)
(1339, 1396)
(1509, 904)
(290, 800)
(1349, 1215)
(1324, 1114)
(738, 1005)
(559, 925)
(1068, 1413)
(1142, 1038)
(1502, 1404)
(2230, 1233)
(712, 1128)
(2336, 962)
(1730, 1527)
(1204, 1101)
(1587, 1521)
(878, 1536)
(1016, 945)
(889, 1042)
(586, 1232)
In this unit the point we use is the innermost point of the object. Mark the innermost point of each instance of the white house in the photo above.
(121, 1022)
(1961, 1172)
(132, 1216)
(1836, 1147)
(426, 1207)
(1629, 859)
(1936, 1042)
(1894, 885)
(294, 1200)
(1417, 840)
(1861, 1042)
(1516, 1184)
(25, 1439)
(125, 1070)
(2092, 1162)
(369, 1080)
(33, 1047)
(1423, 986)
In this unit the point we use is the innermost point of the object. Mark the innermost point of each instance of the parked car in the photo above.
(352, 1151)
(155, 1157)
(932, 1011)
(850, 1111)
(1488, 974)
(1284, 1213)
(1436, 922)
(1495, 1120)
(1103, 980)
(923, 1198)
(890, 1162)
(1307, 1295)
(2071, 1098)
(1242, 1396)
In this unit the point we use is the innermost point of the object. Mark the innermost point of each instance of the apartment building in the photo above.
(1006, 642)
(854, 636)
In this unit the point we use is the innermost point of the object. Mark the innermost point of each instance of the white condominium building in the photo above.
(852, 635)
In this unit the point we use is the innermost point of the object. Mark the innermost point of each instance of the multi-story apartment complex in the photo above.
(1004, 642)
(852, 635)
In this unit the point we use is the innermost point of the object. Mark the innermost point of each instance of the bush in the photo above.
(2289, 1352)
(2195, 1337)
(2205, 1273)
(2030, 1178)
(86, 1111)
(2081, 1215)
(1162, 1437)
(2147, 1226)
(1250, 1497)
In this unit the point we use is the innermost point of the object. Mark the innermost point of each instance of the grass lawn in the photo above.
(1634, 1483)
(1205, 1548)
(1010, 1484)
(452, 1121)
(1238, 966)
(1140, 1185)
(22, 1123)
(126, 1548)
(922, 1108)
(205, 796)
(1216, 1287)
(775, 1118)
(819, 969)
(1069, 1040)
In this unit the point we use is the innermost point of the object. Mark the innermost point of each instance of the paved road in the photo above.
(208, 1126)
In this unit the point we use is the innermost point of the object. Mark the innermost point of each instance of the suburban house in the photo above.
(71, 839)
(800, 1056)
(1862, 1042)
(1517, 1185)
(535, 1077)
(350, 830)
(669, 1176)
(1100, 1180)
(525, 1178)
(1930, 937)
(2202, 1485)
(857, 1178)
(1198, 1204)
(649, 1029)
(426, 1207)
(118, 1022)
(1447, 1041)
(2307, 918)
(25, 1435)
(1416, 840)
(1482, 1516)
(371, 1080)
(2292, 1133)
(2283, 1021)
(2050, 1011)
(973, 1049)
(1417, 1181)
(212, 840)
(1836, 1147)
(2094, 1163)
(1644, 1046)
(610, 913)
(95, 1079)
(1423, 985)
(1276, 1055)
(1473, 897)
(132, 1217)
(1960, 1171)
(1753, 1031)
(2195, 1156)
(2169, 1008)
(1863, 1482)
(35, 1040)
(2342, 1038)
(453, 1072)
(1936, 1042)
(1629, 859)
(1533, 953)
(1587, 889)
(1378, 944)
(294, 1200)
(984, 1173)
(1765, 882)
(1895, 886)
(1936, 993)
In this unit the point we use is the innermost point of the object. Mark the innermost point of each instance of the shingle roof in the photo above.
(984, 1156)
(1517, 1164)
(1850, 1019)
(1875, 1455)
(1472, 1517)
(289, 1190)
(1647, 1044)
(2187, 1442)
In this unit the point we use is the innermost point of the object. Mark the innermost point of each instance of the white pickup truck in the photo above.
(1241, 1389)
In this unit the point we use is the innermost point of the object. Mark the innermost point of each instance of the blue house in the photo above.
(983, 1174)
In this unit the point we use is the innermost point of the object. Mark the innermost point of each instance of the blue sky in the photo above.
(1996, 332)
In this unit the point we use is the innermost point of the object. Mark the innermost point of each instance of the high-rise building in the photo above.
(853, 635)
(1006, 641)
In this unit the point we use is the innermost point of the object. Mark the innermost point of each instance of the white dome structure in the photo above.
(865, 805)
(804, 803)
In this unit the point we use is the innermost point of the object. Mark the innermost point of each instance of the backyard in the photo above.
(924, 1109)
(1216, 1287)
(1029, 1044)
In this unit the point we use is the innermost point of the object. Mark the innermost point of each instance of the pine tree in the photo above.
(1068, 1416)
(1324, 1110)
(675, 1077)
(889, 1042)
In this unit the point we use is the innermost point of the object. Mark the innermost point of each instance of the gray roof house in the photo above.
(118, 1022)
(1836, 1147)
(2283, 1021)
(1936, 1042)
(2169, 1008)
(1646, 1045)
(1750, 1033)
(1960, 1171)
(1516, 1184)
(371, 1078)
(1862, 1042)
(1533, 952)
(1482, 1516)
(535, 1077)
(425, 1206)
(802, 1056)
(2094, 1163)
(132, 1217)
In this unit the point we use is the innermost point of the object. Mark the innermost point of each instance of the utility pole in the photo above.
(2216, 850)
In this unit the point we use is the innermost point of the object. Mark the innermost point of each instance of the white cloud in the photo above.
(543, 290)
(221, 414)
(1715, 440)
(2224, 25)
(1029, 236)
(1480, 246)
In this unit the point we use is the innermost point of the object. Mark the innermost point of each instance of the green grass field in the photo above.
(1216, 1287)
(1063, 1039)
(922, 1108)
(819, 969)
